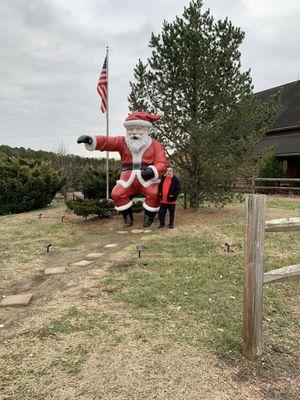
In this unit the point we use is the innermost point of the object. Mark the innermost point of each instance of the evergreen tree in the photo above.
(268, 166)
(212, 119)
(91, 207)
(93, 182)
(71, 166)
(26, 184)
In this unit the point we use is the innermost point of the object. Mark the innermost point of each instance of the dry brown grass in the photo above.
(76, 341)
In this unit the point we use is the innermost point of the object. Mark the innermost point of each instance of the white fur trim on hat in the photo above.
(92, 146)
(137, 122)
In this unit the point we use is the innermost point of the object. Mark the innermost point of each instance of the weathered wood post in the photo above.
(253, 275)
(253, 184)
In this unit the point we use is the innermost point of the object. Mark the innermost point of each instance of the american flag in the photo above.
(102, 86)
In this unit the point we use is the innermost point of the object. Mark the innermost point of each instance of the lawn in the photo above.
(193, 288)
(165, 326)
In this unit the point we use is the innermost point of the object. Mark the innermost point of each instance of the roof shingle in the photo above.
(289, 112)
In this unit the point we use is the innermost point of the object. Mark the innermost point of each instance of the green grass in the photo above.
(183, 291)
(66, 361)
(192, 291)
(73, 321)
(24, 239)
(71, 360)
(286, 204)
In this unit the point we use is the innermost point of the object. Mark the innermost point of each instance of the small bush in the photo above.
(268, 167)
(84, 208)
(26, 184)
(137, 207)
(93, 182)
(70, 204)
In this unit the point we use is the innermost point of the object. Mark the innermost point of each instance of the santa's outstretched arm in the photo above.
(102, 143)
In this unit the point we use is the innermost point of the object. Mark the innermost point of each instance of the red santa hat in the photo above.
(140, 118)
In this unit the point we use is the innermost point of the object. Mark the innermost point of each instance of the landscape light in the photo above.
(139, 249)
(47, 245)
(228, 245)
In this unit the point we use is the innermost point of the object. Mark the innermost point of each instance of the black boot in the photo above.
(128, 217)
(149, 217)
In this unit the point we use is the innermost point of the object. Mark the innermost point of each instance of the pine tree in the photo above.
(26, 184)
(93, 182)
(212, 119)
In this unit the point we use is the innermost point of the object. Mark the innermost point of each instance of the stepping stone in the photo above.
(111, 245)
(17, 300)
(147, 231)
(121, 231)
(137, 231)
(94, 255)
(83, 263)
(55, 270)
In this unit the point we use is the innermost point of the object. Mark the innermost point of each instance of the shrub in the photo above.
(268, 167)
(26, 184)
(137, 207)
(93, 182)
(84, 208)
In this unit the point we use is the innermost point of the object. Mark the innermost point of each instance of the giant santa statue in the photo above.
(143, 161)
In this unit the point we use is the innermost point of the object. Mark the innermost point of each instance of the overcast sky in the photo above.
(52, 52)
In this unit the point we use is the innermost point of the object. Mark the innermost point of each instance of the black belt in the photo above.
(130, 167)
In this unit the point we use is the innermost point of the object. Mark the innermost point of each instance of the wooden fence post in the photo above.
(253, 275)
(253, 185)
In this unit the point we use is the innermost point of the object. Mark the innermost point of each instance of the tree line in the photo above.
(30, 179)
(26, 184)
(71, 166)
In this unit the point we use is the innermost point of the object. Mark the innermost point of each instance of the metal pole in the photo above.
(107, 127)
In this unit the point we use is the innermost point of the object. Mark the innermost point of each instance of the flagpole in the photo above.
(107, 127)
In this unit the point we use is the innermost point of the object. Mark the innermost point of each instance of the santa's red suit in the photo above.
(151, 155)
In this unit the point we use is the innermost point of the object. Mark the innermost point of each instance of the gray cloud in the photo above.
(52, 52)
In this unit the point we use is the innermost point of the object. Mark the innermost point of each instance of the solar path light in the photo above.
(229, 246)
(47, 245)
(62, 218)
(139, 249)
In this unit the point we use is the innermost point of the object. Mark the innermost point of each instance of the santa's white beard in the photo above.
(136, 145)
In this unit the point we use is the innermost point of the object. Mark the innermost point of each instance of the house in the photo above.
(284, 134)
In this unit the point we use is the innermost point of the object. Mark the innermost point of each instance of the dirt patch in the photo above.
(121, 265)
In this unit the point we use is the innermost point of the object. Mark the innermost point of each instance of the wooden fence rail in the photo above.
(283, 225)
(284, 181)
(280, 274)
(254, 276)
